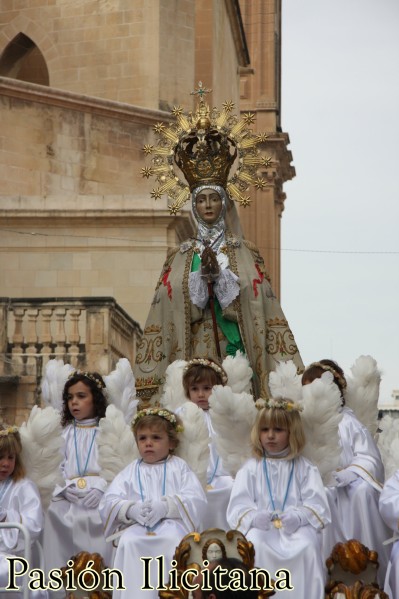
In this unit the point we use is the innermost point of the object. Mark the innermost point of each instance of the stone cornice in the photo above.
(240, 42)
(63, 99)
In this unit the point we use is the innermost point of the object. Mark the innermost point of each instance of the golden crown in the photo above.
(204, 145)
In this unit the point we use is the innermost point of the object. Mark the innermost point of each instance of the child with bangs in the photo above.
(278, 501)
(199, 377)
(19, 502)
(152, 504)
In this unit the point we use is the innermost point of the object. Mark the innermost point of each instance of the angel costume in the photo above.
(21, 500)
(249, 316)
(219, 482)
(71, 527)
(287, 484)
(171, 478)
(389, 509)
(354, 507)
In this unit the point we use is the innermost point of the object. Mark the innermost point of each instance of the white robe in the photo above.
(183, 488)
(219, 483)
(70, 527)
(354, 507)
(22, 502)
(219, 486)
(389, 509)
(298, 552)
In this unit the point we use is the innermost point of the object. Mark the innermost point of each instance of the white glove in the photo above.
(158, 511)
(291, 521)
(138, 512)
(3, 514)
(92, 499)
(262, 520)
(344, 477)
(71, 494)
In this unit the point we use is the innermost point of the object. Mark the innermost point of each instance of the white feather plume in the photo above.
(121, 389)
(362, 392)
(116, 444)
(173, 396)
(388, 444)
(194, 440)
(233, 416)
(239, 373)
(55, 376)
(321, 417)
(285, 382)
(42, 445)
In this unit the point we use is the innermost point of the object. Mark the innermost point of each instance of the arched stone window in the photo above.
(23, 60)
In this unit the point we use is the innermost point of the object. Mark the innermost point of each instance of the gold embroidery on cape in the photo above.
(278, 341)
(147, 351)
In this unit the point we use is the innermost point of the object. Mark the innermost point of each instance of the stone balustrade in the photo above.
(90, 333)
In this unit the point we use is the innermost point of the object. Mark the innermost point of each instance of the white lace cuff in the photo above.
(198, 289)
(227, 287)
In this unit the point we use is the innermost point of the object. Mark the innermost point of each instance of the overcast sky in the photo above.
(340, 107)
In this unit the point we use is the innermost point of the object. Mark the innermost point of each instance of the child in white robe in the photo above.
(199, 377)
(19, 502)
(354, 498)
(72, 522)
(389, 510)
(278, 501)
(156, 500)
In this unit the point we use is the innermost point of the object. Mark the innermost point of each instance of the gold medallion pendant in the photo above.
(151, 533)
(209, 487)
(277, 523)
(81, 484)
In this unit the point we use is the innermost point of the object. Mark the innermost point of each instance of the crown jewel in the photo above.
(204, 145)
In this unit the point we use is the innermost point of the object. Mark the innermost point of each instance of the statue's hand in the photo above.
(209, 264)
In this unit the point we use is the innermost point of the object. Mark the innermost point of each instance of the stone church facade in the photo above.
(82, 84)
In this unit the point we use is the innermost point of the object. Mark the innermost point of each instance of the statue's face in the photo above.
(209, 205)
(214, 552)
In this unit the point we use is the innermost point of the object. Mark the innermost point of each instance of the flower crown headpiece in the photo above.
(88, 375)
(209, 364)
(10, 430)
(162, 413)
(328, 368)
(204, 145)
(280, 404)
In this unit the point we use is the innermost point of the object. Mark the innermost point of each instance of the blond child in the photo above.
(154, 501)
(278, 501)
(19, 502)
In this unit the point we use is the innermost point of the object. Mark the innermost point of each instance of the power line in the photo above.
(132, 239)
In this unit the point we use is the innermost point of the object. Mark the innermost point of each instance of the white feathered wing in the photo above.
(121, 389)
(388, 444)
(321, 416)
(239, 373)
(233, 416)
(116, 444)
(55, 376)
(173, 396)
(42, 444)
(363, 390)
(194, 440)
(285, 381)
